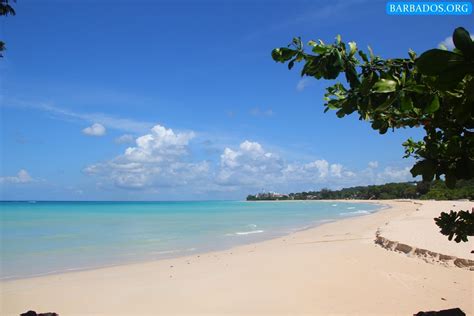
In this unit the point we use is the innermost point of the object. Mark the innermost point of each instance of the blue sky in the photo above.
(155, 100)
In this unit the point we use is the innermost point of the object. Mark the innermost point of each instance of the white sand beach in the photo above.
(333, 269)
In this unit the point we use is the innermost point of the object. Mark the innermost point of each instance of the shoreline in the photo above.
(305, 272)
(182, 253)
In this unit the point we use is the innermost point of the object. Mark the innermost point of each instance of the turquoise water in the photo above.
(50, 237)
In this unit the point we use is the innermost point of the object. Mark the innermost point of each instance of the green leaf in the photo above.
(283, 54)
(388, 102)
(406, 103)
(425, 168)
(363, 56)
(433, 106)
(320, 49)
(291, 64)
(451, 77)
(297, 42)
(416, 88)
(338, 39)
(436, 61)
(351, 77)
(462, 41)
(353, 48)
(384, 86)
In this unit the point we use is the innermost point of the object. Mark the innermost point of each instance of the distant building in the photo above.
(271, 196)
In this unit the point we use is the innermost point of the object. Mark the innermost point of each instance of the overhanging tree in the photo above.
(5, 9)
(434, 91)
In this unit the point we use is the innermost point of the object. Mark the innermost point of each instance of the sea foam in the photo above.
(359, 212)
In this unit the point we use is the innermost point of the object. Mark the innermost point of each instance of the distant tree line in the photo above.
(437, 190)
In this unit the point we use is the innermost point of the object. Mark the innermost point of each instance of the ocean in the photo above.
(39, 238)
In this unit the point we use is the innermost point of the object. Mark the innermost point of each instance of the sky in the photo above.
(181, 100)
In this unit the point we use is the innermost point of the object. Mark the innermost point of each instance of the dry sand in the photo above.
(333, 269)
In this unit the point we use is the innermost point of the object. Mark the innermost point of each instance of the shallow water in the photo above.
(50, 237)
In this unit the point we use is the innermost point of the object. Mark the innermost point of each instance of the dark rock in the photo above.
(33, 313)
(445, 312)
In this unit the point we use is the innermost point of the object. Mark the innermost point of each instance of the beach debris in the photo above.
(445, 312)
(33, 313)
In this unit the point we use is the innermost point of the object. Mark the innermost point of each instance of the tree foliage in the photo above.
(436, 190)
(459, 225)
(5, 9)
(434, 91)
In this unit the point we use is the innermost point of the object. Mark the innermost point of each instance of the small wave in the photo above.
(351, 207)
(245, 233)
(249, 232)
(334, 205)
(252, 225)
(360, 212)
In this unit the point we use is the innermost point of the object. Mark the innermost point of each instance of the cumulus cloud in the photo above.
(156, 160)
(161, 159)
(21, 177)
(448, 42)
(322, 166)
(95, 129)
(252, 166)
(124, 139)
(336, 170)
(161, 144)
(391, 174)
(373, 164)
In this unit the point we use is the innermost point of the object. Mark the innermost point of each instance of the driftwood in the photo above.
(33, 313)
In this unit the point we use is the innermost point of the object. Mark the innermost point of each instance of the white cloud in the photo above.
(158, 159)
(124, 139)
(161, 144)
(249, 165)
(302, 84)
(448, 42)
(391, 174)
(95, 129)
(321, 165)
(161, 160)
(21, 177)
(373, 164)
(252, 166)
(336, 170)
